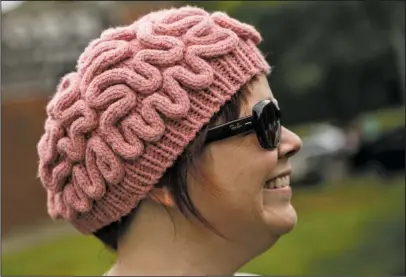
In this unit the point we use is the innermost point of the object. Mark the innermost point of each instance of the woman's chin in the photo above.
(280, 221)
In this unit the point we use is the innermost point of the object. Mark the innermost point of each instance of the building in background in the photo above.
(41, 42)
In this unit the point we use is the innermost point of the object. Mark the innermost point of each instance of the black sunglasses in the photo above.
(265, 121)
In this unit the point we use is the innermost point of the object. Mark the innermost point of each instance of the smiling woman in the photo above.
(167, 145)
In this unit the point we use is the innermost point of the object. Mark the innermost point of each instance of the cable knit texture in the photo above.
(137, 99)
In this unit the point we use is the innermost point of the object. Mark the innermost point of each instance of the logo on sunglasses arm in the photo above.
(235, 126)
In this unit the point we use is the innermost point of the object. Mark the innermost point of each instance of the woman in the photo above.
(167, 145)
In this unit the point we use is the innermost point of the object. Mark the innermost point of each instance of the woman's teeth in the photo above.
(279, 182)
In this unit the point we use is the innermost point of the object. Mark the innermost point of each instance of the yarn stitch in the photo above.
(137, 99)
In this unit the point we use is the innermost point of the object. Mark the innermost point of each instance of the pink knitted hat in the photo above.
(139, 96)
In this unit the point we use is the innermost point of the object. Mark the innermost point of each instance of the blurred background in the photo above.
(339, 76)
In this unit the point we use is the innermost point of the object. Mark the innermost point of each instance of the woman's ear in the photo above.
(162, 196)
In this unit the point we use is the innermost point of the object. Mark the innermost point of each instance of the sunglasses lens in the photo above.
(267, 124)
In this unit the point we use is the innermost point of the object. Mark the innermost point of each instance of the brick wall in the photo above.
(23, 199)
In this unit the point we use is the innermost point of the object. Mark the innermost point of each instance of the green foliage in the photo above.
(387, 119)
(352, 227)
(340, 58)
(232, 6)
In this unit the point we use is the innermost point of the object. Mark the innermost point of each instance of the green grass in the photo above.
(344, 228)
(334, 222)
(71, 255)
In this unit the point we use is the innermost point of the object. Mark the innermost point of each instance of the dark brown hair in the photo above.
(175, 178)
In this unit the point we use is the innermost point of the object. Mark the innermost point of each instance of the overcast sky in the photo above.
(9, 5)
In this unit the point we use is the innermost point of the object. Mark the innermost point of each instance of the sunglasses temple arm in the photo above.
(232, 128)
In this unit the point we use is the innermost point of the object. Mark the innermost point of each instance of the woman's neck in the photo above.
(161, 244)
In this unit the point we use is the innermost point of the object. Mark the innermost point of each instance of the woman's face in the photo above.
(235, 201)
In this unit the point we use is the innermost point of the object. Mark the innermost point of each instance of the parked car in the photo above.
(320, 152)
(383, 155)
(308, 165)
